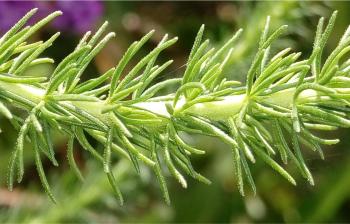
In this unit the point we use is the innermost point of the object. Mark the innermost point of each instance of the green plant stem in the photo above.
(221, 109)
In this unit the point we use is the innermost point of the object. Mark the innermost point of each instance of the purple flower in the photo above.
(78, 16)
(12, 11)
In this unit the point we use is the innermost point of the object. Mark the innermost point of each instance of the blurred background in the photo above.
(92, 201)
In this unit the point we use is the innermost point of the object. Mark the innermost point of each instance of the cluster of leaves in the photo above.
(111, 112)
(320, 98)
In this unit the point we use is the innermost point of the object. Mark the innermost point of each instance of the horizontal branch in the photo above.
(221, 109)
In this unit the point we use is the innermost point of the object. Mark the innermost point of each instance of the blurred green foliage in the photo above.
(276, 200)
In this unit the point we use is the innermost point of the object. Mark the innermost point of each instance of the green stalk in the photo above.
(222, 109)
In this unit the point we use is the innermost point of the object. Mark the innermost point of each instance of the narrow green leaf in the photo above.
(17, 26)
(132, 50)
(124, 93)
(93, 83)
(247, 172)
(152, 76)
(120, 125)
(35, 54)
(274, 165)
(71, 58)
(115, 187)
(5, 111)
(131, 149)
(282, 145)
(158, 172)
(71, 160)
(148, 93)
(238, 137)
(79, 134)
(142, 63)
(300, 158)
(19, 148)
(40, 169)
(57, 80)
(35, 122)
(21, 79)
(197, 42)
(176, 174)
(107, 151)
